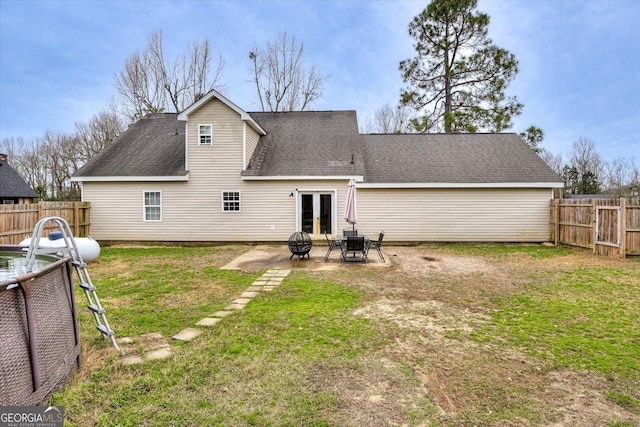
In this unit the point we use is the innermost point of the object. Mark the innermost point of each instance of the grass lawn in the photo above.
(451, 335)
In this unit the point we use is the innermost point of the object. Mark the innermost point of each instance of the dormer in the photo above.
(200, 129)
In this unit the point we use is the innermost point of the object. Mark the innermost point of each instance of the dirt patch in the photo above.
(429, 306)
(424, 262)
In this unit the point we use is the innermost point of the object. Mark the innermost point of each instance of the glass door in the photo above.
(316, 213)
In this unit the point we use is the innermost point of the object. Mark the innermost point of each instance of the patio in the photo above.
(270, 256)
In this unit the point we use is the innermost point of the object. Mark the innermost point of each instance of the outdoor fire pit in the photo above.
(300, 244)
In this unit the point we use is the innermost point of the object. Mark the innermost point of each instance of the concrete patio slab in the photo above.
(275, 259)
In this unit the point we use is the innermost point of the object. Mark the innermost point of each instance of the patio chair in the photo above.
(333, 244)
(355, 249)
(347, 232)
(376, 244)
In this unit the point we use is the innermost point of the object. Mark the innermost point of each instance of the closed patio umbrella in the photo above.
(350, 214)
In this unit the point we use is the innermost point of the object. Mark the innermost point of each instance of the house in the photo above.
(215, 172)
(13, 189)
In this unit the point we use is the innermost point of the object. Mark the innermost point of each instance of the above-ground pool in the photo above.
(39, 343)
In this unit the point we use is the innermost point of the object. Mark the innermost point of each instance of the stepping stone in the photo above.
(133, 359)
(256, 289)
(125, 340)
(249, 294)
(208, 321)
(161, 353)
(283, 273)
(269, 288)
(187, 334)
(222, 313)
(159, 344)
(242, 300)
(235, 307)
(276, 279)
(151, 336)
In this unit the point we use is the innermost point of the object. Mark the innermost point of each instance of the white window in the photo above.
(152, 206)
(231, 201)
(205, 134)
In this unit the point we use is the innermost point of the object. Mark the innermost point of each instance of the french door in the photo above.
(316, 212)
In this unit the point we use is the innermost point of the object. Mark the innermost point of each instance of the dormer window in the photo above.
(205, 134)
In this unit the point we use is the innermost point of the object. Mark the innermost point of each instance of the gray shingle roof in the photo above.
(323, 143)
(153, 146)
(308, 143)
(453, 158)
(12, 185)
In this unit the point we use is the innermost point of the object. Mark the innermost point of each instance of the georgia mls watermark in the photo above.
(31, 416)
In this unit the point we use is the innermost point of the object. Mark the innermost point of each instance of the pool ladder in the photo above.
(79, 265)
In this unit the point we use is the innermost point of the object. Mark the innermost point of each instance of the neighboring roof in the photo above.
(11, 184)
(184, 115)
(453, 158)
(152, 147)
(307, 143)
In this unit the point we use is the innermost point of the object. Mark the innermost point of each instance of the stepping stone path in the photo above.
(151, 346)
(154, 346)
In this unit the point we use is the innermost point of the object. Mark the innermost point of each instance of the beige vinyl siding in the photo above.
(456, 215)
(267, 212)
(251, 143)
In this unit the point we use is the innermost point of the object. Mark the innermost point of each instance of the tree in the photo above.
(282, 81)
(533, 136)
(621, 177)
(388, 119)
(582, 174)
(97, 133)
(458, 77)
(554, 161)
(150, 83)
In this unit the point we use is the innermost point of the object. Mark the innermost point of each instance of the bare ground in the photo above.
(434, 301)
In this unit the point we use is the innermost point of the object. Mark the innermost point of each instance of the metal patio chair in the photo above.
(355, 249)
(376, 244)
(349, 232)
(333, 244)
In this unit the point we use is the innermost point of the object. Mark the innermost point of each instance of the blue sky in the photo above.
(579, 60)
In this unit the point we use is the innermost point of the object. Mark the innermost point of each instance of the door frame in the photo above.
(316, 193)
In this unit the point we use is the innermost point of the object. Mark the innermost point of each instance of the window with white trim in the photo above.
(205, 134)
(152, 206)
(230, 201)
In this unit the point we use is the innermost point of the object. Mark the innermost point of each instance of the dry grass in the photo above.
(415, 344)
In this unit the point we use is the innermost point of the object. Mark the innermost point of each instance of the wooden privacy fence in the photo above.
(609, 227)
(17, 221)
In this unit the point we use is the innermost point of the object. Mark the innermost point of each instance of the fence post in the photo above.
(595, 223)
(556, 203)
(76, 219)
(622, 228)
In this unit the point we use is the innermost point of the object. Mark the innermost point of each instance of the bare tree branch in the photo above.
(281, 80)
